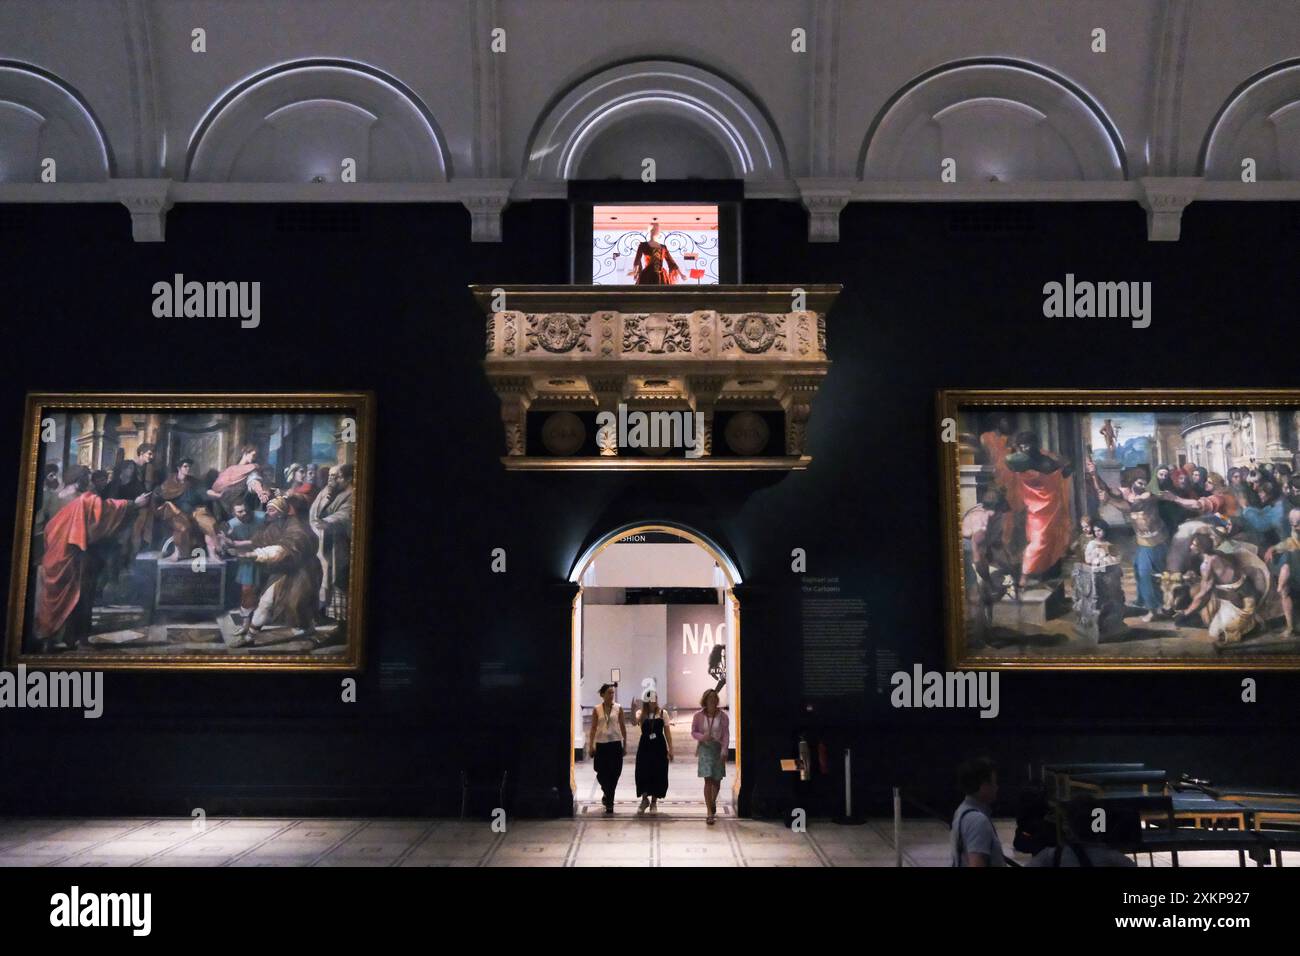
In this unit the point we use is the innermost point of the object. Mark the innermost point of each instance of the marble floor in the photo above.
(621, 840)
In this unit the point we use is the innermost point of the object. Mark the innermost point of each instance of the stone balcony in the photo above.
(747, 359)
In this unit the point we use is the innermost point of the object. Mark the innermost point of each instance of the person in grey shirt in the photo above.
(974, 840)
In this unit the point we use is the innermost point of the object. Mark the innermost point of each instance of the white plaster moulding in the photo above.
(521, 191)
(497, 193)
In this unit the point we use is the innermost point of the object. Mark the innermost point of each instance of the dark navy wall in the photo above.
(375, 298)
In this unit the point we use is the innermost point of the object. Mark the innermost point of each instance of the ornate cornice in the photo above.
(776, 299)
(754, 354)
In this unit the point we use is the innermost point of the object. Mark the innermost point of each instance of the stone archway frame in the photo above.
(702, 98)
(1080, 120)
(729, 568)
(228, 123)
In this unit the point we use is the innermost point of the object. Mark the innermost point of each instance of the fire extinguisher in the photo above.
(823, 759)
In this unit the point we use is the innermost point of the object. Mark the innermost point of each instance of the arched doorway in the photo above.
(686, 560)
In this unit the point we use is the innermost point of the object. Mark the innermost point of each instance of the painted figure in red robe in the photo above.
(236, 483)
(1044, 489)
(997, 445)
(65, 588)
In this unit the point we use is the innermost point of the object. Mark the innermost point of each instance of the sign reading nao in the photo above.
(700, 638)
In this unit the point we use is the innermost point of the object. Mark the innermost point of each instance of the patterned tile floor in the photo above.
(622, 840)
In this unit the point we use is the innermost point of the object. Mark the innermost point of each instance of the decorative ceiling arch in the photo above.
(1259, 121)
(1001, 120)
(716, 551)
(42, 116)
(693, 96)
(299, 121)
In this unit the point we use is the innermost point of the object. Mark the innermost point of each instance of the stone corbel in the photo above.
(797, 403)
(609, 391)
(1164, 198)
(148, 201)
(825, 200)
(486, 204)
(516, 394)
(702, 392)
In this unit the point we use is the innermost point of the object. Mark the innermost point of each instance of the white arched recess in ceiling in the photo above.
(42, 117)
(1260, 121)
(1001, 120)
(610, 101)
(299, 121)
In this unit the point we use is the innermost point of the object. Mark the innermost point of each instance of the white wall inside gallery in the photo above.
(629, 637)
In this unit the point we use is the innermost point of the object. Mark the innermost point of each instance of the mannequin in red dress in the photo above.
(654, 263)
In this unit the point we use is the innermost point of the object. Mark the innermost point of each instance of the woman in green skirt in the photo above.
(711, 728)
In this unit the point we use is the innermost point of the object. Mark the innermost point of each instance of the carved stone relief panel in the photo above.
(558, 332)
(567, 354)
(753, 332)
(656, 333)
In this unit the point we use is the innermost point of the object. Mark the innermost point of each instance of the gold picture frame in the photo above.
(204, 428)
(978, 635)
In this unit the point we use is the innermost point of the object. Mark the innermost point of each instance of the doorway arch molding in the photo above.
(716, 551)
(731, 610)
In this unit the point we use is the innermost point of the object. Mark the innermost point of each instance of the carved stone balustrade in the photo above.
(743, 362)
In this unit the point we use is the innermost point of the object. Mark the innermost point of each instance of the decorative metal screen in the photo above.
(614, 251)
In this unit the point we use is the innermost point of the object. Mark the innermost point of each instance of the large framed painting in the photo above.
(1122, 529)
(192, 531)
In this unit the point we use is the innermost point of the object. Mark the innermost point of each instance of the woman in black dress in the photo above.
(653, 753)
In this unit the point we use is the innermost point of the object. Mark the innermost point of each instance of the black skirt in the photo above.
(609, 767)
(652, 760)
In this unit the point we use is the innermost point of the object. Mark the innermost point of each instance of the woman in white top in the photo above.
(607, 739)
